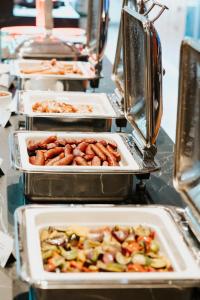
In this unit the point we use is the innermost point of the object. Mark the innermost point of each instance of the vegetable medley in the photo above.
(105, 249)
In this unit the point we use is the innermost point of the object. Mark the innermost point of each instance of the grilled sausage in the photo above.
(50, 139)
(112, 161)
(96, 161)
(90, 141)
(105, 150)
(89, 156)
(89, 150)
(114, 152)
(82, 146)
(51, 146)
(80, 161)
(68, 149)
(103, 142)
(112, 144)
(61, 141)
(98, 151)
(78, 152)
(32, 160)
(67, 160)
(39, 159)
(53, 152)
(55, 159)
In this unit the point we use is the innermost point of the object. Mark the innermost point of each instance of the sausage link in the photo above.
(55, 159)
(80, 161)
(96, 161)
(89, 150)
(78, 152)
(39, 159)
(98, 151)
(112, 144)
(32, 160)
(105, 151)
(51, 146)
(53, 152)
(68, 149)
(82, 146)
(103, 142)
(61, 141)
(105, 163)
(114, 152)
(89, 156)
(67, 160)
(112, 161)
(90, 141)
(50, 139)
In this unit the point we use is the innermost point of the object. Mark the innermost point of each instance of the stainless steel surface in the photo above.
(106, 109)
(143, 78)
(82, 184)
(67, 124)
(97, 28)
(187, 150)
(95, 188)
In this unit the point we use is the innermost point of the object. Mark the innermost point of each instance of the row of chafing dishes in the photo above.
(138, 76)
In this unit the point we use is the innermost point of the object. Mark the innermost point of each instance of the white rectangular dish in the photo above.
(17, 65)
(30, 220)
(127, 163)
(101, 106)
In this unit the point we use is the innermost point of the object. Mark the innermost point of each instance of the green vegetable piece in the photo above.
(154, 246)
(158, 263)
(142, 230)
(121, 259)
(58, 261)
(46, 254)
(141, 259)
(68, 255)
(47, 247)
(111, 267)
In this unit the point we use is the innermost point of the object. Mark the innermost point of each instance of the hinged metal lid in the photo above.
(118, 67)
(97, 28)
(187, 148)
(142, 78)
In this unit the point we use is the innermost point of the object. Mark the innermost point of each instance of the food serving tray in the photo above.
(17, 65)
(165, 221)
(78, 183)
(104, 109)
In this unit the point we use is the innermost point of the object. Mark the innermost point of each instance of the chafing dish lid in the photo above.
(187, 148)
(142, 76)
(97, 27)
(118, 67)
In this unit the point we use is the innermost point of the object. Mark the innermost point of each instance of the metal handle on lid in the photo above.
(155, 3)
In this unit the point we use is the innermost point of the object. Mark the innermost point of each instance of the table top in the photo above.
(159, 190)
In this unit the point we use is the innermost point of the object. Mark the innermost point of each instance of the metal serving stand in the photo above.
(186, 221)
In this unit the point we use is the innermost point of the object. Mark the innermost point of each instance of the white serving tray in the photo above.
(99, 101)
(18, 64)
(127, 163)
(158, 218)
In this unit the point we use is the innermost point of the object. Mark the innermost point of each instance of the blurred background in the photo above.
(182, 19)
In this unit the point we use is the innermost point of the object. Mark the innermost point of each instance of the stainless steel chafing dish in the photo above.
(104, 108)
(169, 224)
(46, 42)
(178, 229)
(143, 109)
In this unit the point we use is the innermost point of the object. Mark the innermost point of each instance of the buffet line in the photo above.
(67, 153)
